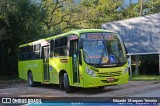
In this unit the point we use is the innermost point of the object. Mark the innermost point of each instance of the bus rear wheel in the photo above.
(31, 82)
(67, 86)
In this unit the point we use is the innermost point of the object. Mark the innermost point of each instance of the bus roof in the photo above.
(67, 33)
(90, 30)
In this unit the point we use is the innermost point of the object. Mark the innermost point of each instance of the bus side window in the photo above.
(29, 52)
(63, 51)
(56, 52)
(36, 52)
(51, 48)
(22, 53)
(61, 47)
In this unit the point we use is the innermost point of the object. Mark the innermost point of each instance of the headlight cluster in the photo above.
(125, 70)
(90, 72)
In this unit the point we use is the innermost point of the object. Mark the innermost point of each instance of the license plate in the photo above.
(110, 79)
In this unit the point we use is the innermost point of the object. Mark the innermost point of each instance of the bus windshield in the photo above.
(103, 49)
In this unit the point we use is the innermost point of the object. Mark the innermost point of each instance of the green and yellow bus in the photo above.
(80, 58)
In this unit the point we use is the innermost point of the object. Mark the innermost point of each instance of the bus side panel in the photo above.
(59, 63)
(56, 66)
(54, 70)
(22, 70)
(35, 66)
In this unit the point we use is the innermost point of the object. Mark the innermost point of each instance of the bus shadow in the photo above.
(78, 90)
(51, 86)
(93, 91)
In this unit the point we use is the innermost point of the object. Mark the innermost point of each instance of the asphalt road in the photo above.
(132, 89)
(153, 93)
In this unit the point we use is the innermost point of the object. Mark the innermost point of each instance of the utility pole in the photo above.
(130, 5)
(141, 8)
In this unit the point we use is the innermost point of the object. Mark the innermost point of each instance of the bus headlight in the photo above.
(125, 70)
(90, 72)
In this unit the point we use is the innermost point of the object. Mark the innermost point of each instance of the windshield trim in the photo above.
(106, 65)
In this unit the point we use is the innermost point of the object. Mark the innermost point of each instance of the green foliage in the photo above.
(59, 16)
(96, 12)
(20, 19)
(7, 9)
(28, 21)
(153, 6)
(133, 10)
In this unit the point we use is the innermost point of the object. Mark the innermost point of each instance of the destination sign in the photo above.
(109, 37)
(100, 36)
(94, 36)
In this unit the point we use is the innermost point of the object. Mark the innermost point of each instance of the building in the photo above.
(141, 36)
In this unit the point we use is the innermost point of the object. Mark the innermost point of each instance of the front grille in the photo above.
(109, 74)
(105, 81)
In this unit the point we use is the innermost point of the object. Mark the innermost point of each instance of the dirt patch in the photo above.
(6, 83)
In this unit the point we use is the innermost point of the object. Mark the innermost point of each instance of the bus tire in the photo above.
(31, 82)
(67, 87)
(101, 87)
(61, 81)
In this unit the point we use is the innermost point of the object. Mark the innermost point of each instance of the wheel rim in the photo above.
(30, 80)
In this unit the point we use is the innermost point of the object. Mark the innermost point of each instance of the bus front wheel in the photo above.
(67, 87)
(61, 81)
(101, 87)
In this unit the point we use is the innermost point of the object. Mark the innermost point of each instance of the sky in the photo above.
(133, 1)
(126, 2)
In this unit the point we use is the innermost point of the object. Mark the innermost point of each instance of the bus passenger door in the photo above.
(74, 55)
(45, 56)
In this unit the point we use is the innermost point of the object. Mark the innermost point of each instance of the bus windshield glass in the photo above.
(103, 49)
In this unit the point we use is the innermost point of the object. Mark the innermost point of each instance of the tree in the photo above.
(27, 21)
(18, 19)
(134, 9)
(59, 15)
(153, 6)
(96, 12)
(7, 8)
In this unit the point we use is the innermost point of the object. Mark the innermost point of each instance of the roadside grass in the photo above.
(145, 78)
